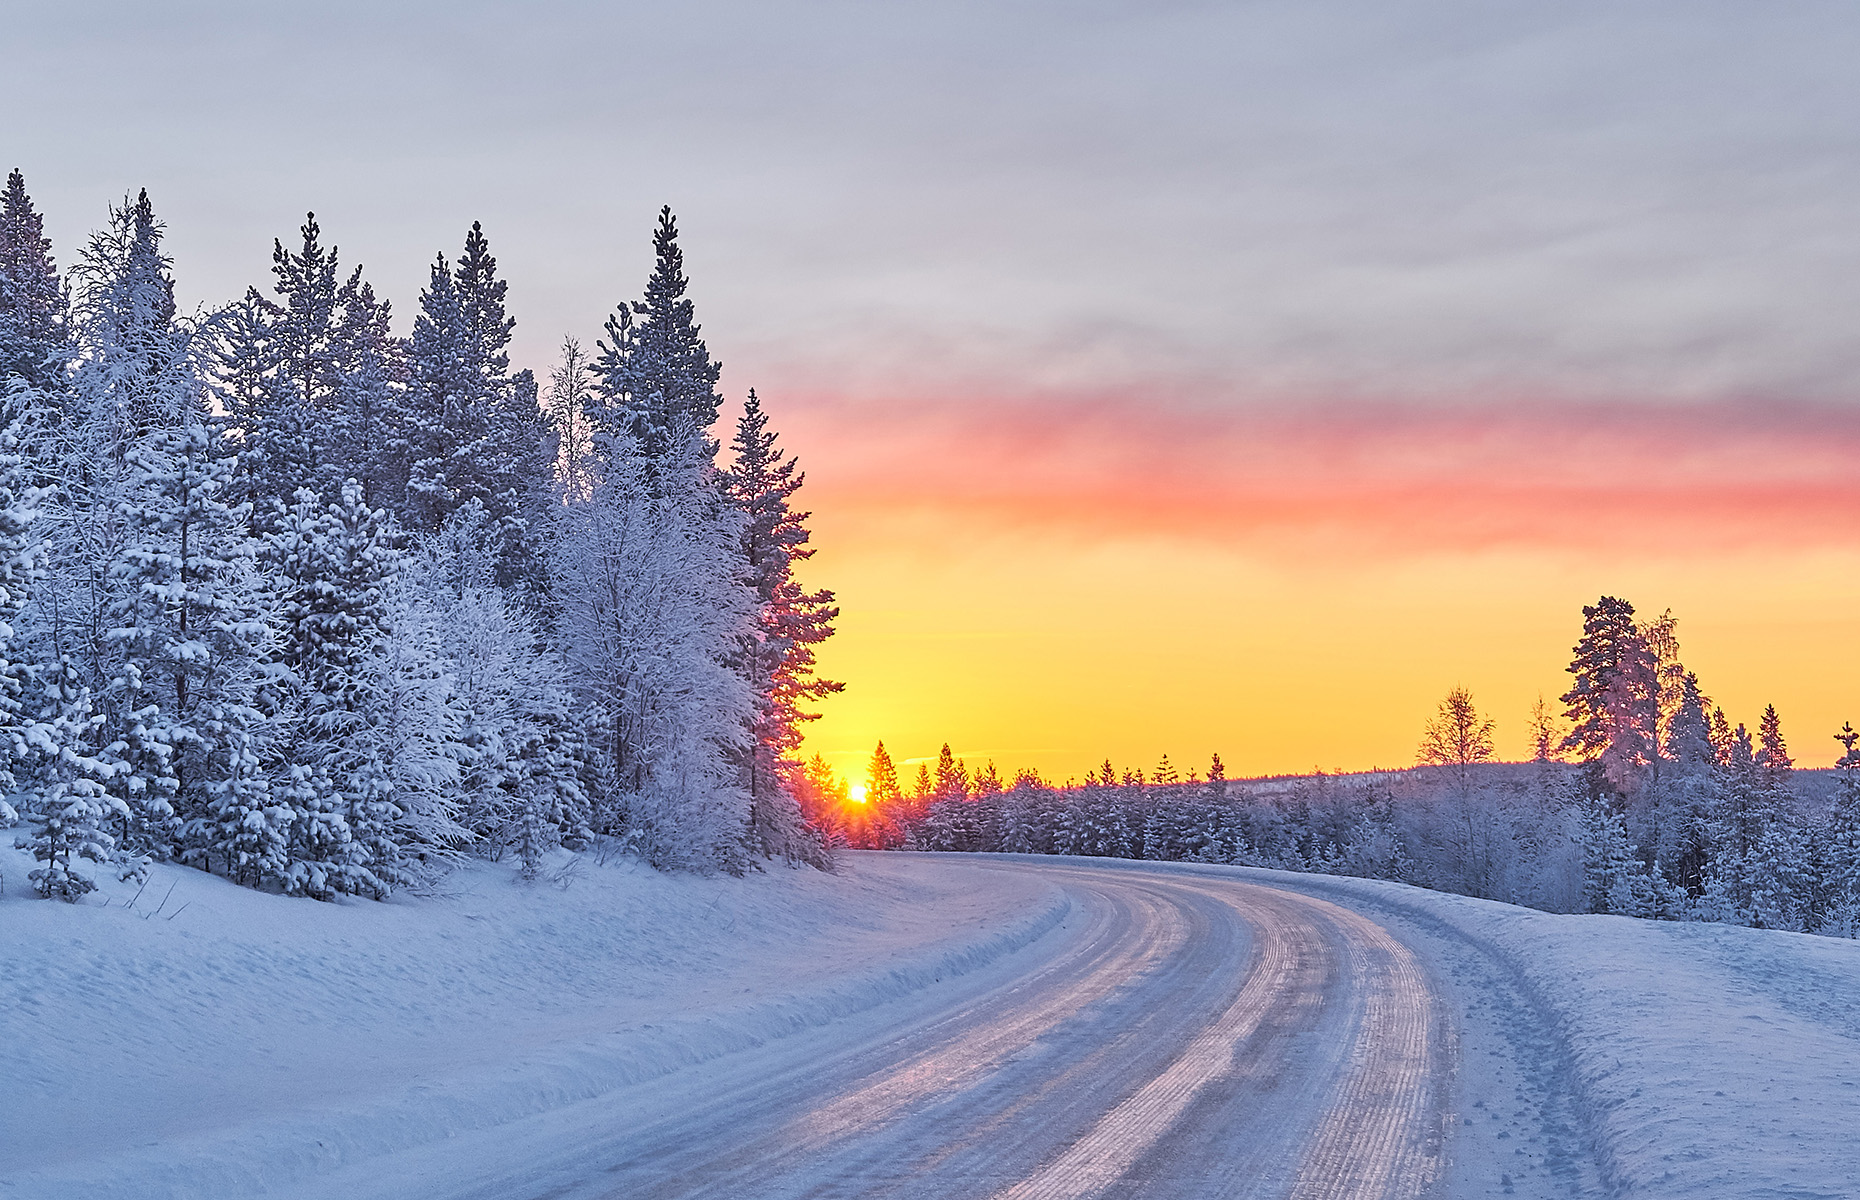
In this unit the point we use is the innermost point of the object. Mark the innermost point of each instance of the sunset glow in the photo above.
(1296, 589)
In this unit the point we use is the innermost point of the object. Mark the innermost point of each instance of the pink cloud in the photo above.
(1396, 478)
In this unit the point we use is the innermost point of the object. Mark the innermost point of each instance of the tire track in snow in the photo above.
(1134, 930)
(1378, 1135)
(1200, 1036)
(1376, 1142)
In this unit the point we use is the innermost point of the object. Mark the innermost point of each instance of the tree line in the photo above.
(1642, 799)
(321, 608)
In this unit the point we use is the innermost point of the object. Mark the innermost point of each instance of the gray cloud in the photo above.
(1440, 197)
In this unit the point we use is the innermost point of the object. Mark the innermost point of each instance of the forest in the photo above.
(291, 598)
(1642, 800)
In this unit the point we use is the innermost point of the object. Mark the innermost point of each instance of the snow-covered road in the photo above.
(1191, 1037)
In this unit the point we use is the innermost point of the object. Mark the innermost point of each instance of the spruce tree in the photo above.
(476, 433)
(310, 381)
(190, 631)
(136, 403)
(35, 341)
(777, 658)
(1842, 879)
(42, 725)
(1688, 792)
(655, 374)
(876, 825)
(1613, 706)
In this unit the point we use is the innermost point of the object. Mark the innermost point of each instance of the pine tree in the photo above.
(778, 657)
(1842, 879)
(35, 340)
(145, 568)
(310, 382)
(41, 726)
(1613, 705)
(191, 632)
(137, 371)
(1688, 792)
(69, 812)
(655, 374)
(952, 778)
(1737, 825)
(1772, 754)
(372, 435)
(825, 799)
(875, 826)
(476, 433)
(288, 446)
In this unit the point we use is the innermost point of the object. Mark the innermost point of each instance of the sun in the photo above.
(856, 793)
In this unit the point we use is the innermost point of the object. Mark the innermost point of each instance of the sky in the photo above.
(1170, 378)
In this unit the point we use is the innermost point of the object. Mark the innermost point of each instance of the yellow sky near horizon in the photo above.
(1033, 647)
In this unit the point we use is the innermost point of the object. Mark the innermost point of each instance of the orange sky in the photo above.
(1296, 586)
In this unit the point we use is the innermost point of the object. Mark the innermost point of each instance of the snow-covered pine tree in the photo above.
(1688, 792)
(476, 432)
(135, 402)
(1777, 880)
(192, 633)
(1613, 706)
(1842, 878)
(291, 437)
(825, 799)
(332, 564)
(35, 340)
(41, 727)
(778, 657)
(655, 374)
(951, 781)
(875, 824)
(71, 815)
(311, 381)
(21, 553)
(1737, 824)
(372, 443)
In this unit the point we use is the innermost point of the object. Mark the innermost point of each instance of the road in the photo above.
(1194, 1036)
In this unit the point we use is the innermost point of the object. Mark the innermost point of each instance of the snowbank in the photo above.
(204, 1039)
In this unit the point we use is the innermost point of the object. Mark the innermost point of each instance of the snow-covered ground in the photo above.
(228, 1038)
(212, 1041)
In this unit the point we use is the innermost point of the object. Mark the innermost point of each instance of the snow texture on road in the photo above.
(918, 1025)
